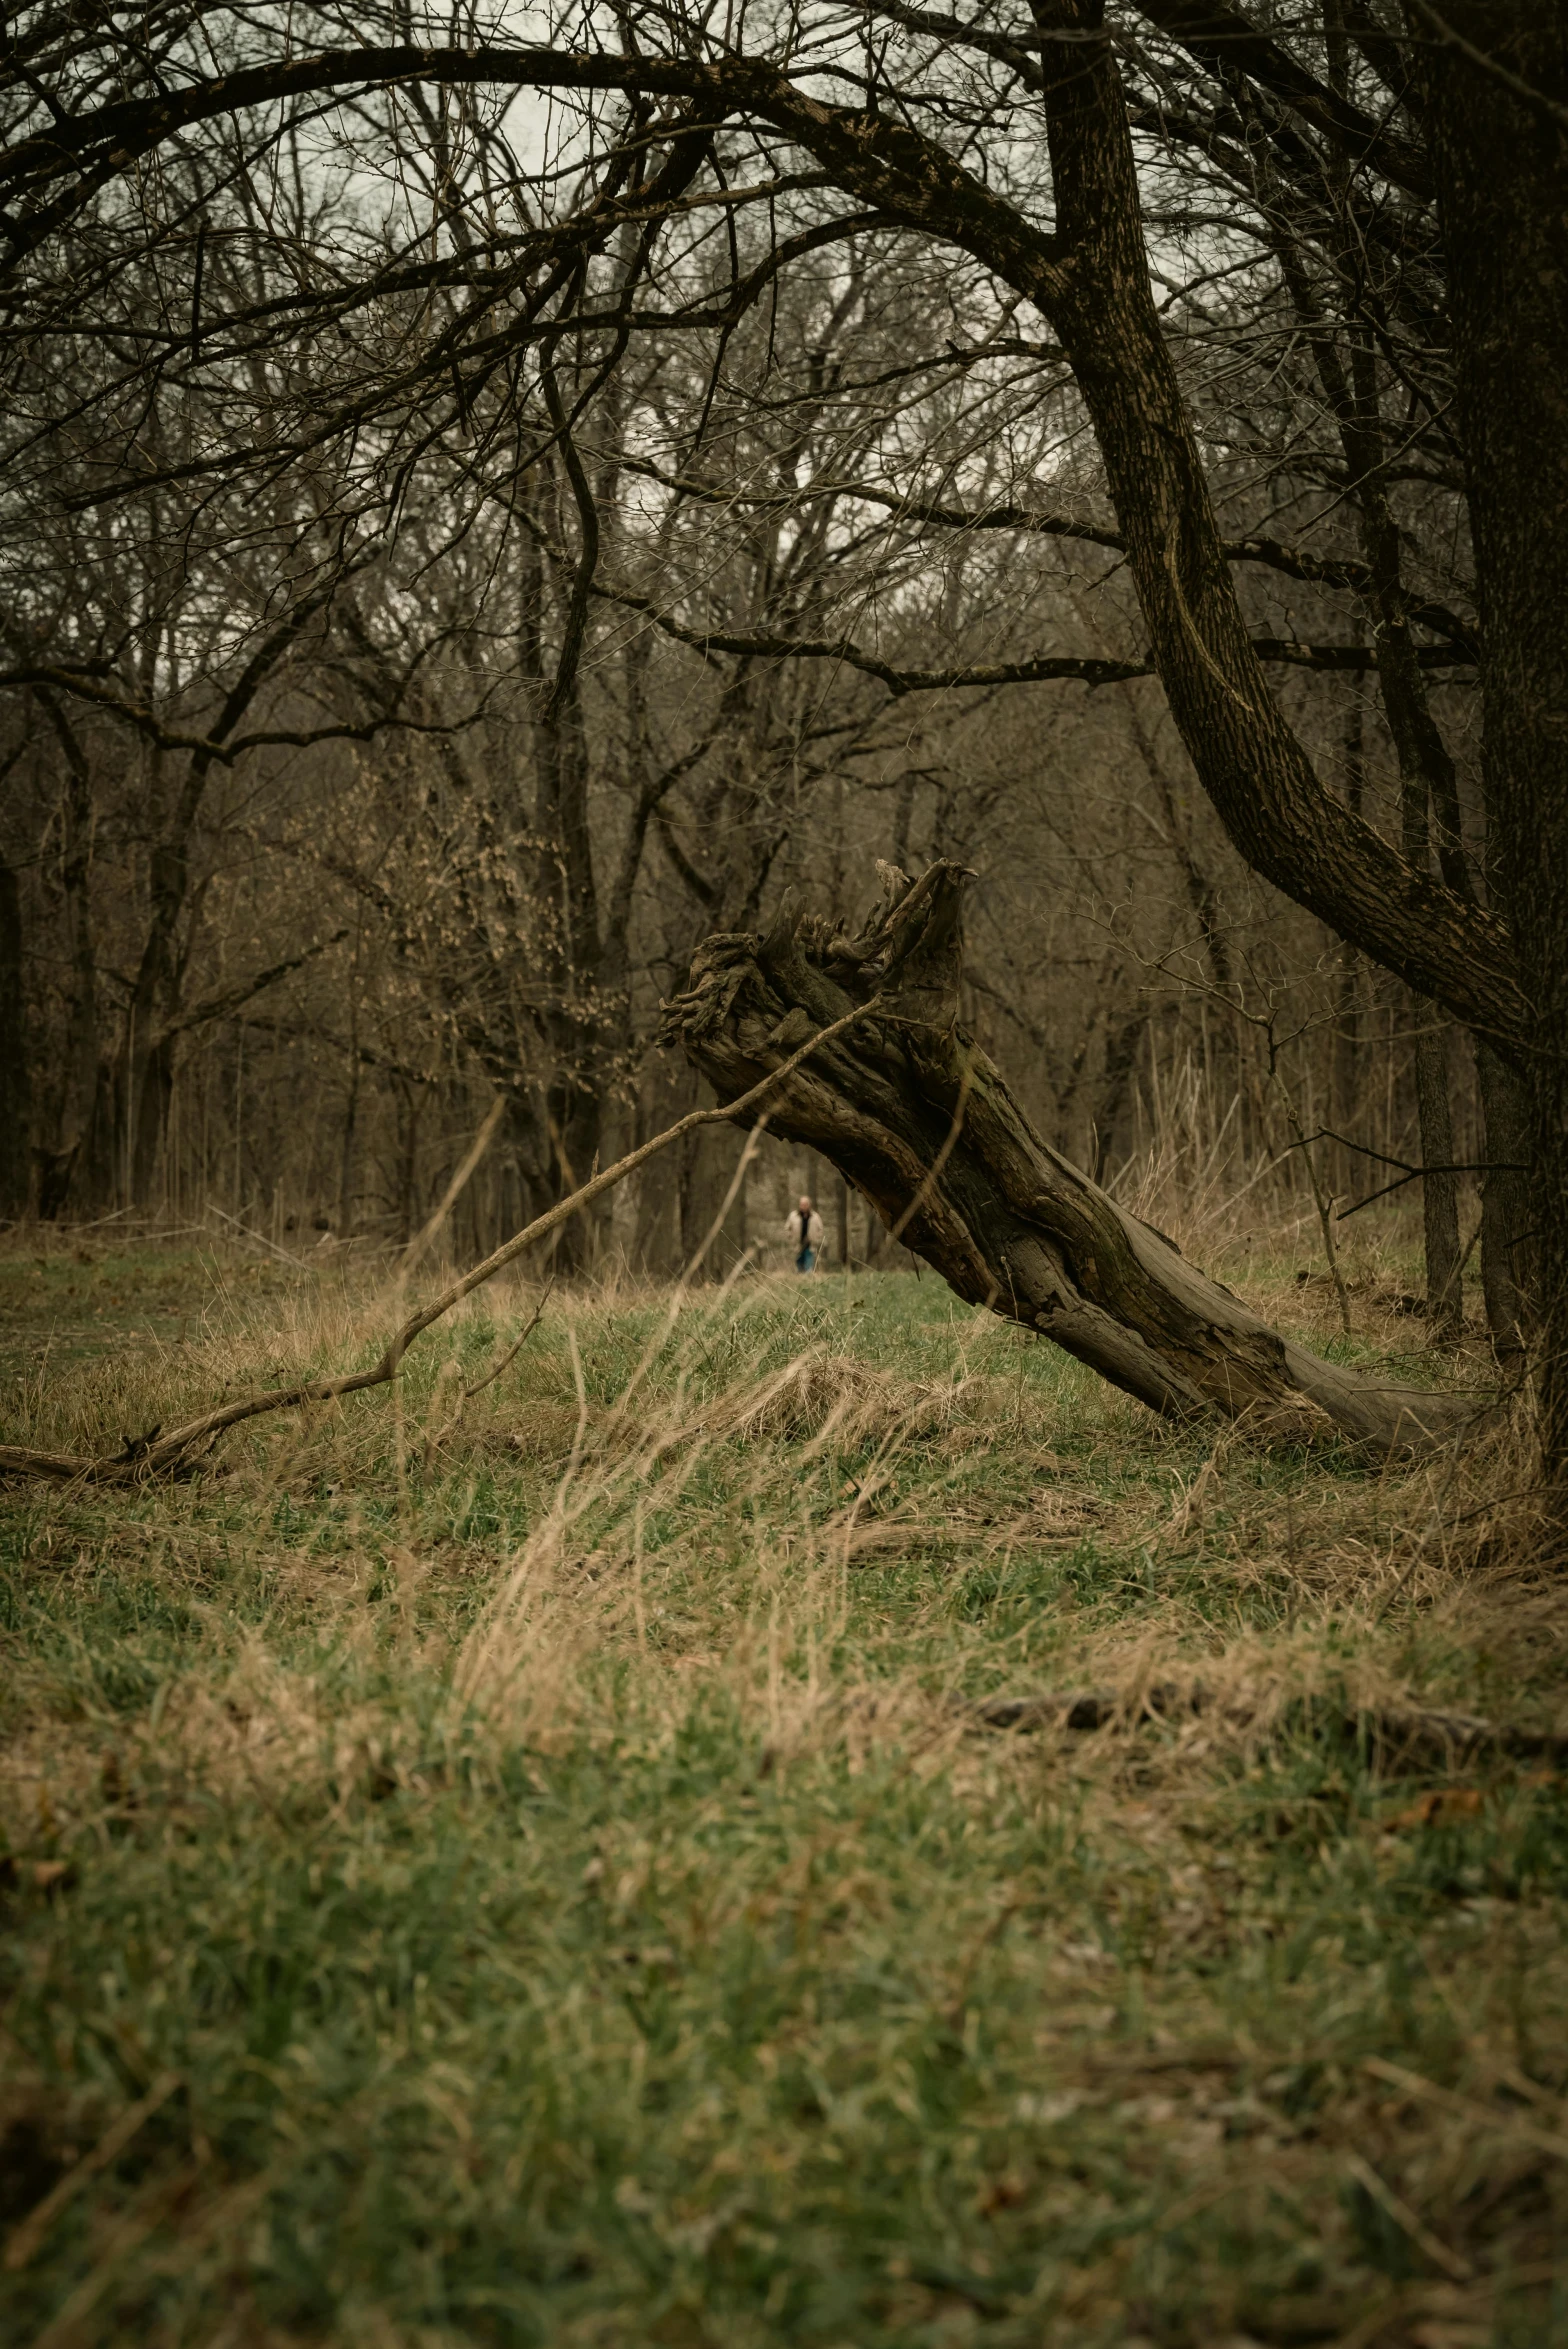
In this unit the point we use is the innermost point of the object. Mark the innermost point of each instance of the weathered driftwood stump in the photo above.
(921, 1121)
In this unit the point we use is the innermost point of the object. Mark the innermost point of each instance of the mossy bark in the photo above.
(922, 1122)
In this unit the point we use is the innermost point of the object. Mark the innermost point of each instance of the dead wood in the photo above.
(922, 1122)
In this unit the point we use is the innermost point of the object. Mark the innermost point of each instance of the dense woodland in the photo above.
(608, 613)
(491, 500)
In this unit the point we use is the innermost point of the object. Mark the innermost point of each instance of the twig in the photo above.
(1409, 1174)
(512, 1352)
(32, 2229)
(1323, 1201)
(455, 1188)
(1415, 2084)
(1460, 1166)
(1361, 1149)
(1407, 2221)
(466, 1394)
(258, 1239)
(158, 1453)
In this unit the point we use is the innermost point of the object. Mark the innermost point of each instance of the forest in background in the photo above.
(459, 551)
(1018, 1803)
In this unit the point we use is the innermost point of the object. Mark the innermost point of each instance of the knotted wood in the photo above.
(921, 1121)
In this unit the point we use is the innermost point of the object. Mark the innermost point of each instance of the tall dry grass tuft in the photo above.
(580, 1582)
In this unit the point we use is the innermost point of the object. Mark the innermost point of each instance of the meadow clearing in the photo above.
(790, 1815)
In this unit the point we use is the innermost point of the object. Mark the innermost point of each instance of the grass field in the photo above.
(531, 1868)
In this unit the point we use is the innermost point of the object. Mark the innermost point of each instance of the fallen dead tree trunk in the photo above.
(921, 1121)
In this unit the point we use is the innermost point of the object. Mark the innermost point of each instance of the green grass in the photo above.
(549, 1870)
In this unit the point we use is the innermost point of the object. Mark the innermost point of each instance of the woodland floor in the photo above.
(540, 1877)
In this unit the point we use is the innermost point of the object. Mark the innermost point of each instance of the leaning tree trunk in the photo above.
(917, 1117)
(16, 1100)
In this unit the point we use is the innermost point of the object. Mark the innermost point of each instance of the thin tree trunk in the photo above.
(410, 1106)
(348, 1154)
(1346, 1075)
(708, 1161)
(1434, 1110)
(1507, 1242)
(1426, 772)
(923, 1124)
(1439, 1190)
(154, 1098)
(57, 1162)
(1121, 1053)
(147, 1074)
(16, 1099)
(671, 1094)
(572, 942)
(903, 818)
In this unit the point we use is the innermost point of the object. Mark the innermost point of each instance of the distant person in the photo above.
(803, 1230)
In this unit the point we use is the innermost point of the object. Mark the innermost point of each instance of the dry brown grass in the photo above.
(634, 1712)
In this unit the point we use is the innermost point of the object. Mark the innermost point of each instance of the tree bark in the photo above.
(1496, 73)
(923, 1124)
(1439, 1187)
(577, 1019)
(16, 1102)
(1090, 280)
(1418, 768)
(1255, 771)
(1121, 1054)
(1345, 1092)
(1507, 1213)
(58, 1159)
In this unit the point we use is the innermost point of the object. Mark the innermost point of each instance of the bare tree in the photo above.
(1198, 315)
